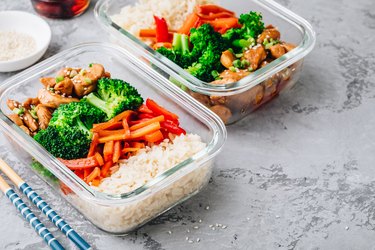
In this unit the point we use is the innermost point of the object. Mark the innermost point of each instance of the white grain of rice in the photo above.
(140, 16)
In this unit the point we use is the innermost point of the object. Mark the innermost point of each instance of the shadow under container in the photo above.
(121, 213)
(236, 100)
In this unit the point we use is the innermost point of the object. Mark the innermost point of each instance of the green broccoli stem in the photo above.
(177, 43)
(185, 44)
(180, 43)
(97, 102)
(83, 127)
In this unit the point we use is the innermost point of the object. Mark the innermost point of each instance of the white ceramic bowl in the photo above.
(30, 24)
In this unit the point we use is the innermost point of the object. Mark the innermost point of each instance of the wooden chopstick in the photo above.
(44, 207)
(29, 216)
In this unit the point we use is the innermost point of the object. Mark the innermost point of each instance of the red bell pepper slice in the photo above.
(162, 34)
(158, 110)
(145, 116)
(144, 109)
(172, 127)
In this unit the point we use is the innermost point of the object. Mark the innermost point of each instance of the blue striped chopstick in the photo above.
(54, 217)
(44, 207)
(29, 216)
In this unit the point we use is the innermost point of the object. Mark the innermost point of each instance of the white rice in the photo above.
(140, 16)
(131, 213)
(149, 163)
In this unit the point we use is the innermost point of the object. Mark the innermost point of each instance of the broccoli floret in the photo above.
(204, 58)
(113, 96)
(80, 114)
(209, 45)
(252, 24)
(68, 134)
(168, 53)
(68, 143)
(245, 36)
(180, 52)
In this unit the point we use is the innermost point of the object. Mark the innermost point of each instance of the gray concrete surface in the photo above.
(297, 174)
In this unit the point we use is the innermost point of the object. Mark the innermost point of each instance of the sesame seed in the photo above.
(198, 240)
(346, 228)
(169, 232)
(196, 227)
(211, 225)
(213, 228)
(187, 238)
(188, 231)
(190, 241)
(85, 88)
(208, 207)
(200, 221)
(224, 227)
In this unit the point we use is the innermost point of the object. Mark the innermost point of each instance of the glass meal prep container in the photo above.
(235, 100)
(118, 213)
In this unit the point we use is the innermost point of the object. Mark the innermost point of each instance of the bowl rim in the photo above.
(304, 47)
(44, 44)
(77, 185)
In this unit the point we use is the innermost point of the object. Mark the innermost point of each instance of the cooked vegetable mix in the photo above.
(217, 47)
(212, 40)
(92, 133)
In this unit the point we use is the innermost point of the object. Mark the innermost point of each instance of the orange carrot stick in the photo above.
(159, 118)
(106, 125)
(95, 173)
(105, 132)
(117, 118)
(105, 168)
(147, 33)
(86, 172)
(126, 127)
(95, 182)
(122, 116)
(93, 145)
(116, 151)
(145, 130)
(190, 22)
(154, 137)
(115, 137)
(108, 151)
(99, 159)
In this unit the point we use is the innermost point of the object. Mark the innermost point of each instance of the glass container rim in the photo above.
(213, 147)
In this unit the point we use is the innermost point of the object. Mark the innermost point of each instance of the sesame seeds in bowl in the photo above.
(24, 38)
